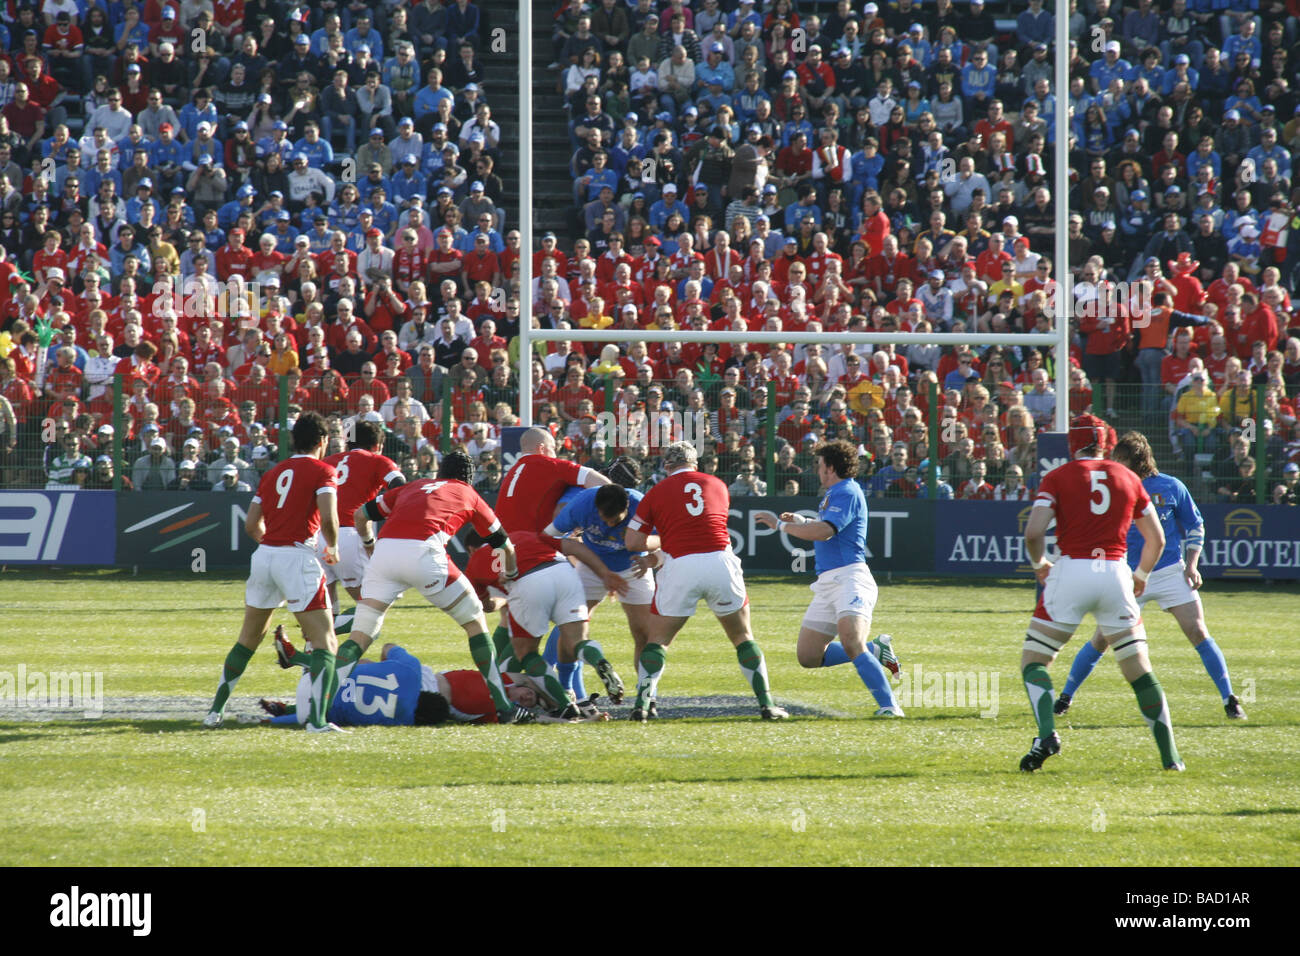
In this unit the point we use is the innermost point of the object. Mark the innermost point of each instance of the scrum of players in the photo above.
(563, 537)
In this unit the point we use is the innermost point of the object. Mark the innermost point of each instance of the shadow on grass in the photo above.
(1244, 812)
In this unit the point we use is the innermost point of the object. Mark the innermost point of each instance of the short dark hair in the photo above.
(368, 435)
(840, 456)
(308, 431)
(431, 709)
(611, 499)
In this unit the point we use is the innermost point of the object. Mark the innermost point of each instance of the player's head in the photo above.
(1133, 451)
(839, 456)
(308, 433)
(680, 454)
(624, 471)
(431, 709)
(611, 503)
(369, 436)
(1089, 437)
(537, 441)
(456, 466)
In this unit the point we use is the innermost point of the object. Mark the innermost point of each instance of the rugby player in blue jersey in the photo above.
(399, 691)
(603, 519)
(1173, 582)
(844, 594)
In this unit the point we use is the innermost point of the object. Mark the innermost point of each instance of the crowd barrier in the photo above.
(178, 531)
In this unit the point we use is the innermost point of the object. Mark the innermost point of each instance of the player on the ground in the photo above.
(844, 594)
(294, 500)
(688, 509)
(535, 482)
(1174, 582)
(363, 472)
(1093, 502)
(419, 518)
(602, 515)
(399, 690)
(549, 591)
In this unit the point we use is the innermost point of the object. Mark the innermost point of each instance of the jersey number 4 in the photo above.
(1101, 504)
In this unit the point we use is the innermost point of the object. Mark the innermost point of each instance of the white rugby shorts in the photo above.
(546, 596)
(715, 576)
(353, 560)
(1168, 588)
(849, 591)
(640, 590)
(1080, 586)
(290, 573)
(401, 563)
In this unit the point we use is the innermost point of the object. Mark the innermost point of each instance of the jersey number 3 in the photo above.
(1099, 507)
(694, 507)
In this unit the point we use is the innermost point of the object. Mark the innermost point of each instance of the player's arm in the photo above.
(592, 478)
(798, 526)
(1189, 517)
(254, 522)
(1153, 544)
(1040, 518)
(328, 505)
(503, 551)
(362, 520)
(575, 548)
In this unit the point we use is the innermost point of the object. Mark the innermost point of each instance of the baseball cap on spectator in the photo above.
(275, 192)
(133, 68)
(205, 160)
(105, 430)
(104, 458)
(718, 48)
(300, 157)
(1173, 189)
(158, 443)
(871, 9)
(247, 190)
(186, 465)
(272, 281)
(241, 125)
(445, 191)
(651, 241)
(406, 121)
(791, 241)
(1132, 133)
(264, 98)
(237, 232)
(451, 148)
(363, 47)
(1232, 115)
(476, 187)
(549, 235)
(1182, 58)
(1113, 46)
(1107, 224)
(1151, 261)
(936, 274)
(1138, 195)
(690, 111)
(1011, 219)
(168, 13)
(283, 215)
(440, 126)
(229, 470)
(472, 87)
(372, 232)
(629, 308)
(664, 116)
(260, 452)
(53, 273)
(789, 75)
(769, 188)
(1290, 468)
(1102, 189)
(670, 188)
(278, 124)
(1268, 108)
(377, 132)
(302, 40)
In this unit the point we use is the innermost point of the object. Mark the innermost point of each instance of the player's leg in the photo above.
(318, 628)
(1191, 618)
(1080, 668)
(570, 671)
(852, 630)
(1130, 647)
(752, 664)
(638, 622)
(366, 624)
(501, 646)
(654, 657)
(532, 663)
(1043, 641)
(483, 652)
(575, 644)
(257, 621)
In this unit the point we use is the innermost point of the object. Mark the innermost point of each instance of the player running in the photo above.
(363, 472)
(1174, 582)
(1093, 502)
(419, 518)
(844, 594)
(294, 500)
(399, 691)
(689, 510)
(602, 515)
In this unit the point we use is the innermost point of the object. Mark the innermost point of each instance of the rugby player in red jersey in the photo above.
(363, 472)
(295, 500)
(419, 519)
(532, 487)
(688, 510)
(1093, 501)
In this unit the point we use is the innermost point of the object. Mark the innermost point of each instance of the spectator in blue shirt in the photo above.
(978, 80)
(462, 23)
(1034, 25)
(319, 152)
(1108, 68)
(363, 34)
(408, 182)
(665, 207)
(1245, 41)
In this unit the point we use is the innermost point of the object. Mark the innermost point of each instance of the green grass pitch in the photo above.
(836, 787)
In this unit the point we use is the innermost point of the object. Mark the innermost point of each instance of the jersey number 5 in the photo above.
(694, 507)
(1099, 488)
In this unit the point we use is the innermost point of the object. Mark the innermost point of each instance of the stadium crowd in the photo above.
(208, 198)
